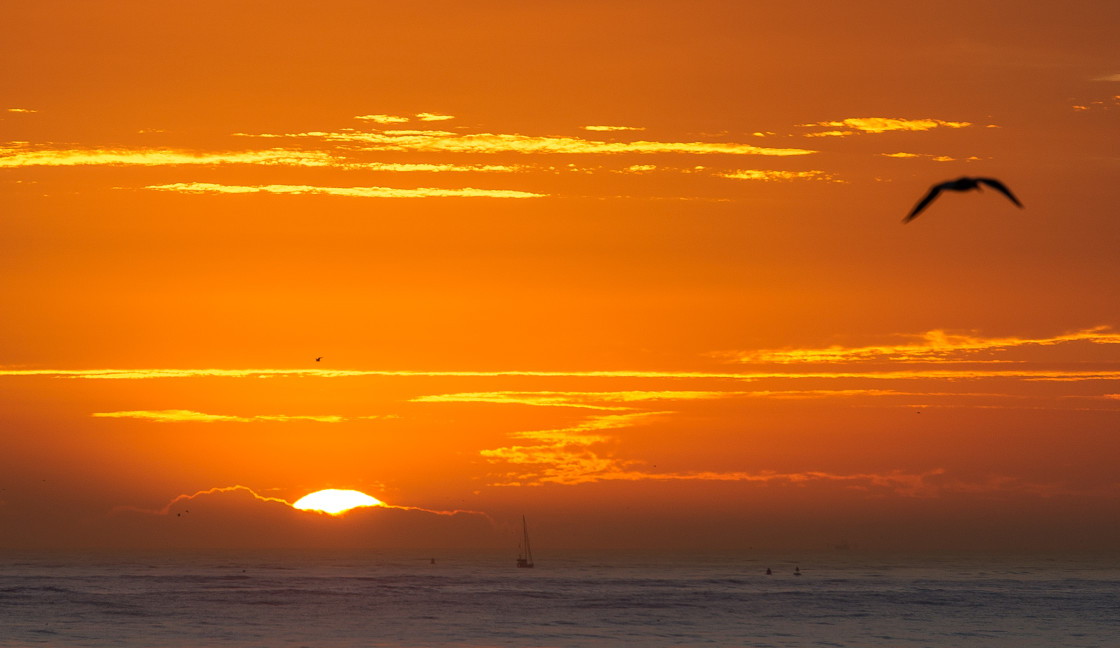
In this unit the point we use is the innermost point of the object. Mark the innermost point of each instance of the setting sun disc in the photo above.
(335, 501)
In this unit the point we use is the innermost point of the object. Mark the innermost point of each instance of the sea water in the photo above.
(315, 598)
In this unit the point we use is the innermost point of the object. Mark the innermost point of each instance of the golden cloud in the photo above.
(853, 125)
(433, 168)
(22, 157)
(615, 400)
(737, 356)
(769, 175)
(189, 416)
(445, 141)
(613, 128)
(565, 455)
(19, 156)
(352, 192)
(383, 119)
(936, 345)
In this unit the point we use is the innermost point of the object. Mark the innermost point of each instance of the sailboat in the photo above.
(524, 553)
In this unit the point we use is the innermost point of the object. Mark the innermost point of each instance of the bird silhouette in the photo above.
(318, 359)
(960, 184)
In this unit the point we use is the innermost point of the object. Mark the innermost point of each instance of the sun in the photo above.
(335, 501)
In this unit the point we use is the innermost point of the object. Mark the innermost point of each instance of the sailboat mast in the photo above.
(524, 559)
(525, 535)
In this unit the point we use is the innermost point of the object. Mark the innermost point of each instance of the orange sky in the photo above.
(632, 269)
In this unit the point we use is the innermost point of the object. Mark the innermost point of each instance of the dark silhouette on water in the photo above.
(960, 184)
(524, 553)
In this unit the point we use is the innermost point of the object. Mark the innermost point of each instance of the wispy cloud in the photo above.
(607, 129)
(1108, 103)
(21, 110)
(770, 175)
(975, 373)
(433, 168)
(853, 125)
(399, 119)
(11, 157)
(446, 141)
(152, 374)
(930, 156)
(565, 455)
(615, 400)
(580, 455)
(179, 502)
(189, 416)
(936, 345)
(21, 156)
(352, 192)
(186, 497)
(384, 119)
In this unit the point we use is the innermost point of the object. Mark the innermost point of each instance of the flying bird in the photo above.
(318, 359)
(960, 184)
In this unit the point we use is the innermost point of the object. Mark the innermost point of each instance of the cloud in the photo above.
(897, 481)
(1108, 77)
(935, 158)
(240, 516)
(11, 157)
(936, 345)
(21, 110)
(181, 416)
(187, 497)
(21, 156)
(608, 129)
(1098, 104)
(383, 119)
(152, 374)
(564, 455)
(854, 125)
(429, 117)
(434, 168)
(616, 400)
(352, 192)
(769, 175)
(576, 455)
(445, 141)
(734, 356)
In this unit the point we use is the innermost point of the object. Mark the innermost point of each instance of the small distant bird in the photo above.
(318, 359)
(960, 184)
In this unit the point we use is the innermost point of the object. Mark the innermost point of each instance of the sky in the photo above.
(634, 270)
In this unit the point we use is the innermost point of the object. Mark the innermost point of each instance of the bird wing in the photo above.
(999, 186)
(936, 189)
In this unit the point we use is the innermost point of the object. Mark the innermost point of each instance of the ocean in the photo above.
(577, 599)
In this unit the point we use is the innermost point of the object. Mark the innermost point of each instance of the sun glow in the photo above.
(335, 501)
